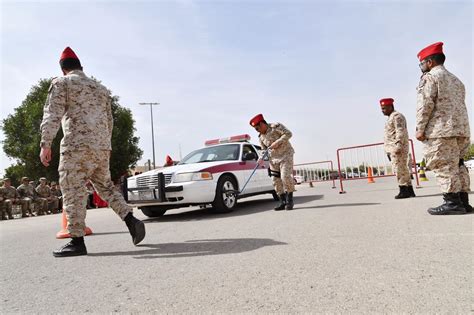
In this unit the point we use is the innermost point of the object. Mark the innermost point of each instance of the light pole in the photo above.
(152, 131)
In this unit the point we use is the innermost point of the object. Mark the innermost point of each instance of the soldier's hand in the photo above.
(420, 136)
(45, 156)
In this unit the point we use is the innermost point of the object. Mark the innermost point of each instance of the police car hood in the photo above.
(189, 168)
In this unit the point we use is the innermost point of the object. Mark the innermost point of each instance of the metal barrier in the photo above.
(320, 171)
(356, 162)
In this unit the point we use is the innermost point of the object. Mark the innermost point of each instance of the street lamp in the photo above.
(152, 132)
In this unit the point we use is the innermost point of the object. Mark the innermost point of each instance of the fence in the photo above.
(320, 171)
(355, 163)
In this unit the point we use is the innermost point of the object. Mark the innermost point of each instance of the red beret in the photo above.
(386, 101)
(256, 120)
(433, 49)
(169, 159)
(68, 53)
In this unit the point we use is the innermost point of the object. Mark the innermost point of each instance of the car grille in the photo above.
(152, 180)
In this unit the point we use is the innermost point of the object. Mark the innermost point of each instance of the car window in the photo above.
(248, 149)
(216, 153)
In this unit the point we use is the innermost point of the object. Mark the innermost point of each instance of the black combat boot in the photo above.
(282, 204)
(136, 228)
(464, 196)
(404, 193)
(289, 201)
(75, 247)
(452, 205)
(411, 191)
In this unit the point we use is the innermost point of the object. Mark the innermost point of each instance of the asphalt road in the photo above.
(359, 252)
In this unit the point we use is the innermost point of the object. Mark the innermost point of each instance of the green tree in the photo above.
(22, 137)
(470, 153)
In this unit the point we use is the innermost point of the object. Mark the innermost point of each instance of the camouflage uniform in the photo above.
(83, 106)
(396, 145)
(55, 191)
(10, 197)
(27, 197)
(442, 117)
(281, 158)
(46, 199)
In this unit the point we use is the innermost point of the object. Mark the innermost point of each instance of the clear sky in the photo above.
(319, 67)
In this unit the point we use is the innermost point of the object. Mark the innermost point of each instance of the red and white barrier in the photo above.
(357, 162)
(320, 171)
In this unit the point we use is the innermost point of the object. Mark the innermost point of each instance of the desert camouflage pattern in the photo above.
(281, 158)
(75, 168)
(400, 165)
(285, 182)
(396, 134)
(441, 110)
(442, 157)
(83, 107)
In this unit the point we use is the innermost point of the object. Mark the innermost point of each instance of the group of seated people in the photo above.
(44, 199)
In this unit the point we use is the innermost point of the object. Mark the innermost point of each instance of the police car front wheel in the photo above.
(223, 201)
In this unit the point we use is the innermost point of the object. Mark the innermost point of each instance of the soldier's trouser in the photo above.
(442, 157)
(400, 167)
(7, 206)
(53, 204)
(75, 167)
(284, 183)
(26, 205)
(41, 205)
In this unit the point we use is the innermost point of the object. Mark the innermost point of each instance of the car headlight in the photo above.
(191, 177)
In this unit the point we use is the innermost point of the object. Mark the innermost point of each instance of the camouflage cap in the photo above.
(24, 178)
(6, 179)
(54, 183)
(43, 179)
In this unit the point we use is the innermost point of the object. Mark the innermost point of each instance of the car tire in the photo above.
(153, 212)
(275, 196)
(223, 202)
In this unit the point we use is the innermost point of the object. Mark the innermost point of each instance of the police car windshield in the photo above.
(228, 152)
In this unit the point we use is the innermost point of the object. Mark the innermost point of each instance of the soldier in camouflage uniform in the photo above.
(48, 201)
(55, 191)
(396, 147)
(27, 197)
(10, 197)
(83, 107)
(442, 124)
(276, 138)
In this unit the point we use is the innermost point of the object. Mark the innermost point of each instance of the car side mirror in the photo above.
(249, 156)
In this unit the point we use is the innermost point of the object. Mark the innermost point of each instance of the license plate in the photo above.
(146, 195)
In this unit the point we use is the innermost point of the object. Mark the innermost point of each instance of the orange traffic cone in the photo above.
(370, 178)
(64, 233)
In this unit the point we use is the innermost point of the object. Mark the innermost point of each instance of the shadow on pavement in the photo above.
(338, 205)
(195, 248)
(108, 233)
(244, 207)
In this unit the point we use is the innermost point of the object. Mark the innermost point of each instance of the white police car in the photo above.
(203, 177)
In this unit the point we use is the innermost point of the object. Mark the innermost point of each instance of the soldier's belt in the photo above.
(273, 173)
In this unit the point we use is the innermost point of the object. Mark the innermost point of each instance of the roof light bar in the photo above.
(239, 138)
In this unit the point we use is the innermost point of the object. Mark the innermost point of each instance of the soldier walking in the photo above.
(83, 107)
(442, 125)
(396, 147)
(27, 197)
(276, 136)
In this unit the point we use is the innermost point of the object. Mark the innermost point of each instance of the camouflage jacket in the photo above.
(25, 191)
(9, 193)
(43, 191)
(277, 133)
(83, 107)
(441, 109)
(396, 133)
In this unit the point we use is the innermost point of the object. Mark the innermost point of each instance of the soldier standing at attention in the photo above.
(396, 147)
(27, 196)
(276, 138)
(83, 107)
(442, 125)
